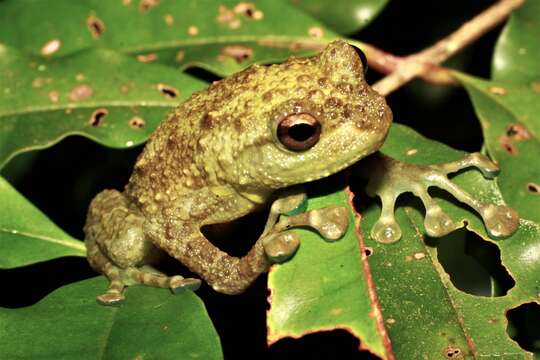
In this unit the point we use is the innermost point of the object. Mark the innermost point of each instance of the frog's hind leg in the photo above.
(119, 249)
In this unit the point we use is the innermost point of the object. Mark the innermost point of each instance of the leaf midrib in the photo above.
(62, 242)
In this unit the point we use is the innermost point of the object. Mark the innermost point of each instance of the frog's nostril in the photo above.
(362, 57)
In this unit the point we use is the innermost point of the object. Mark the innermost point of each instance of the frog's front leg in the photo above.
(231, 275)
(388, 178)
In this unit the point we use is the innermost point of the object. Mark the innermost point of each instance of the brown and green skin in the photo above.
(221, 155)
(218, 157)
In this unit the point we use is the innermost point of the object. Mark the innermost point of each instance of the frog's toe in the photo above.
(178, 284)
(111, 299)
(501, 221)
(487, 167)
(331, 221)
(437, 223)
(281, 246)
(386, 230)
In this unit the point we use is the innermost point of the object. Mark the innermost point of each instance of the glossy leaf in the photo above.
(223, 36)
(151, 324)
(508, 107)
(27, 235)
(342, 16)
(324, 287)
(517, 51)
(99, 94)
(426, 316)
(510, 117)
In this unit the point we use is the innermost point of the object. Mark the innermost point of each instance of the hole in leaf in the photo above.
(136, 122)
(523, 326)
(95, 25)
(369, 251)
(474, 265)
(517, 132)
(452, 352)
(97, 117)
(506, 143)
(534, 188)
(167, 90)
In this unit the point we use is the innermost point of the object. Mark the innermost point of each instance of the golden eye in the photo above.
(299, 132)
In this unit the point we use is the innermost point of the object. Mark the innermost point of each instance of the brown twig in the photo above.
(426, 62)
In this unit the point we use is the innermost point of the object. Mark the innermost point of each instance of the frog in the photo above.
(249, 142)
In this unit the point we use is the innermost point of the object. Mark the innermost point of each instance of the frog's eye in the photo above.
(299, 132)
(362, 57)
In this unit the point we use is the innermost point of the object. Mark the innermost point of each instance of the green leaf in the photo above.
(223, 36)
(426, 316)
(324, 287)
(343, 16)
(27, 235)
(69, 324)
(508, 107)
(509, 114)
(517, 52)
(99, 94)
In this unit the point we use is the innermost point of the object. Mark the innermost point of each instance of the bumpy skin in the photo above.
(218, 157)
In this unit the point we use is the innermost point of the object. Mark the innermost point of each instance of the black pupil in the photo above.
(301, 132)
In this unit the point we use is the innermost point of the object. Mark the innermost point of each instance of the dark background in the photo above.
(62, 180)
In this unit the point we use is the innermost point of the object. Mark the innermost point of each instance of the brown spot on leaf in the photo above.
(124, 88)
(95, 25)
(315, 32)
(97, 117)
(40, 82)
(517, 132)
(535, 85)
(145, 5)
(193, 30)
(50, 47)
(80, 77)
(127, 2)
(180, 56)
(146, 58)
(390, 321)
(236, 52)
(419, 256)
(533, 188)
(136, 122)
(452, 352)
(81, 92)
(167, 90)
(507, 145)
(169, 19)
(497, 90)
(54, 96)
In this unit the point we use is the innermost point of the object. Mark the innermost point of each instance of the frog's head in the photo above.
(299, 121)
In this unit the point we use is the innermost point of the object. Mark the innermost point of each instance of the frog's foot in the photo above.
(390, 178)
(120, 278)
(330, 222)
